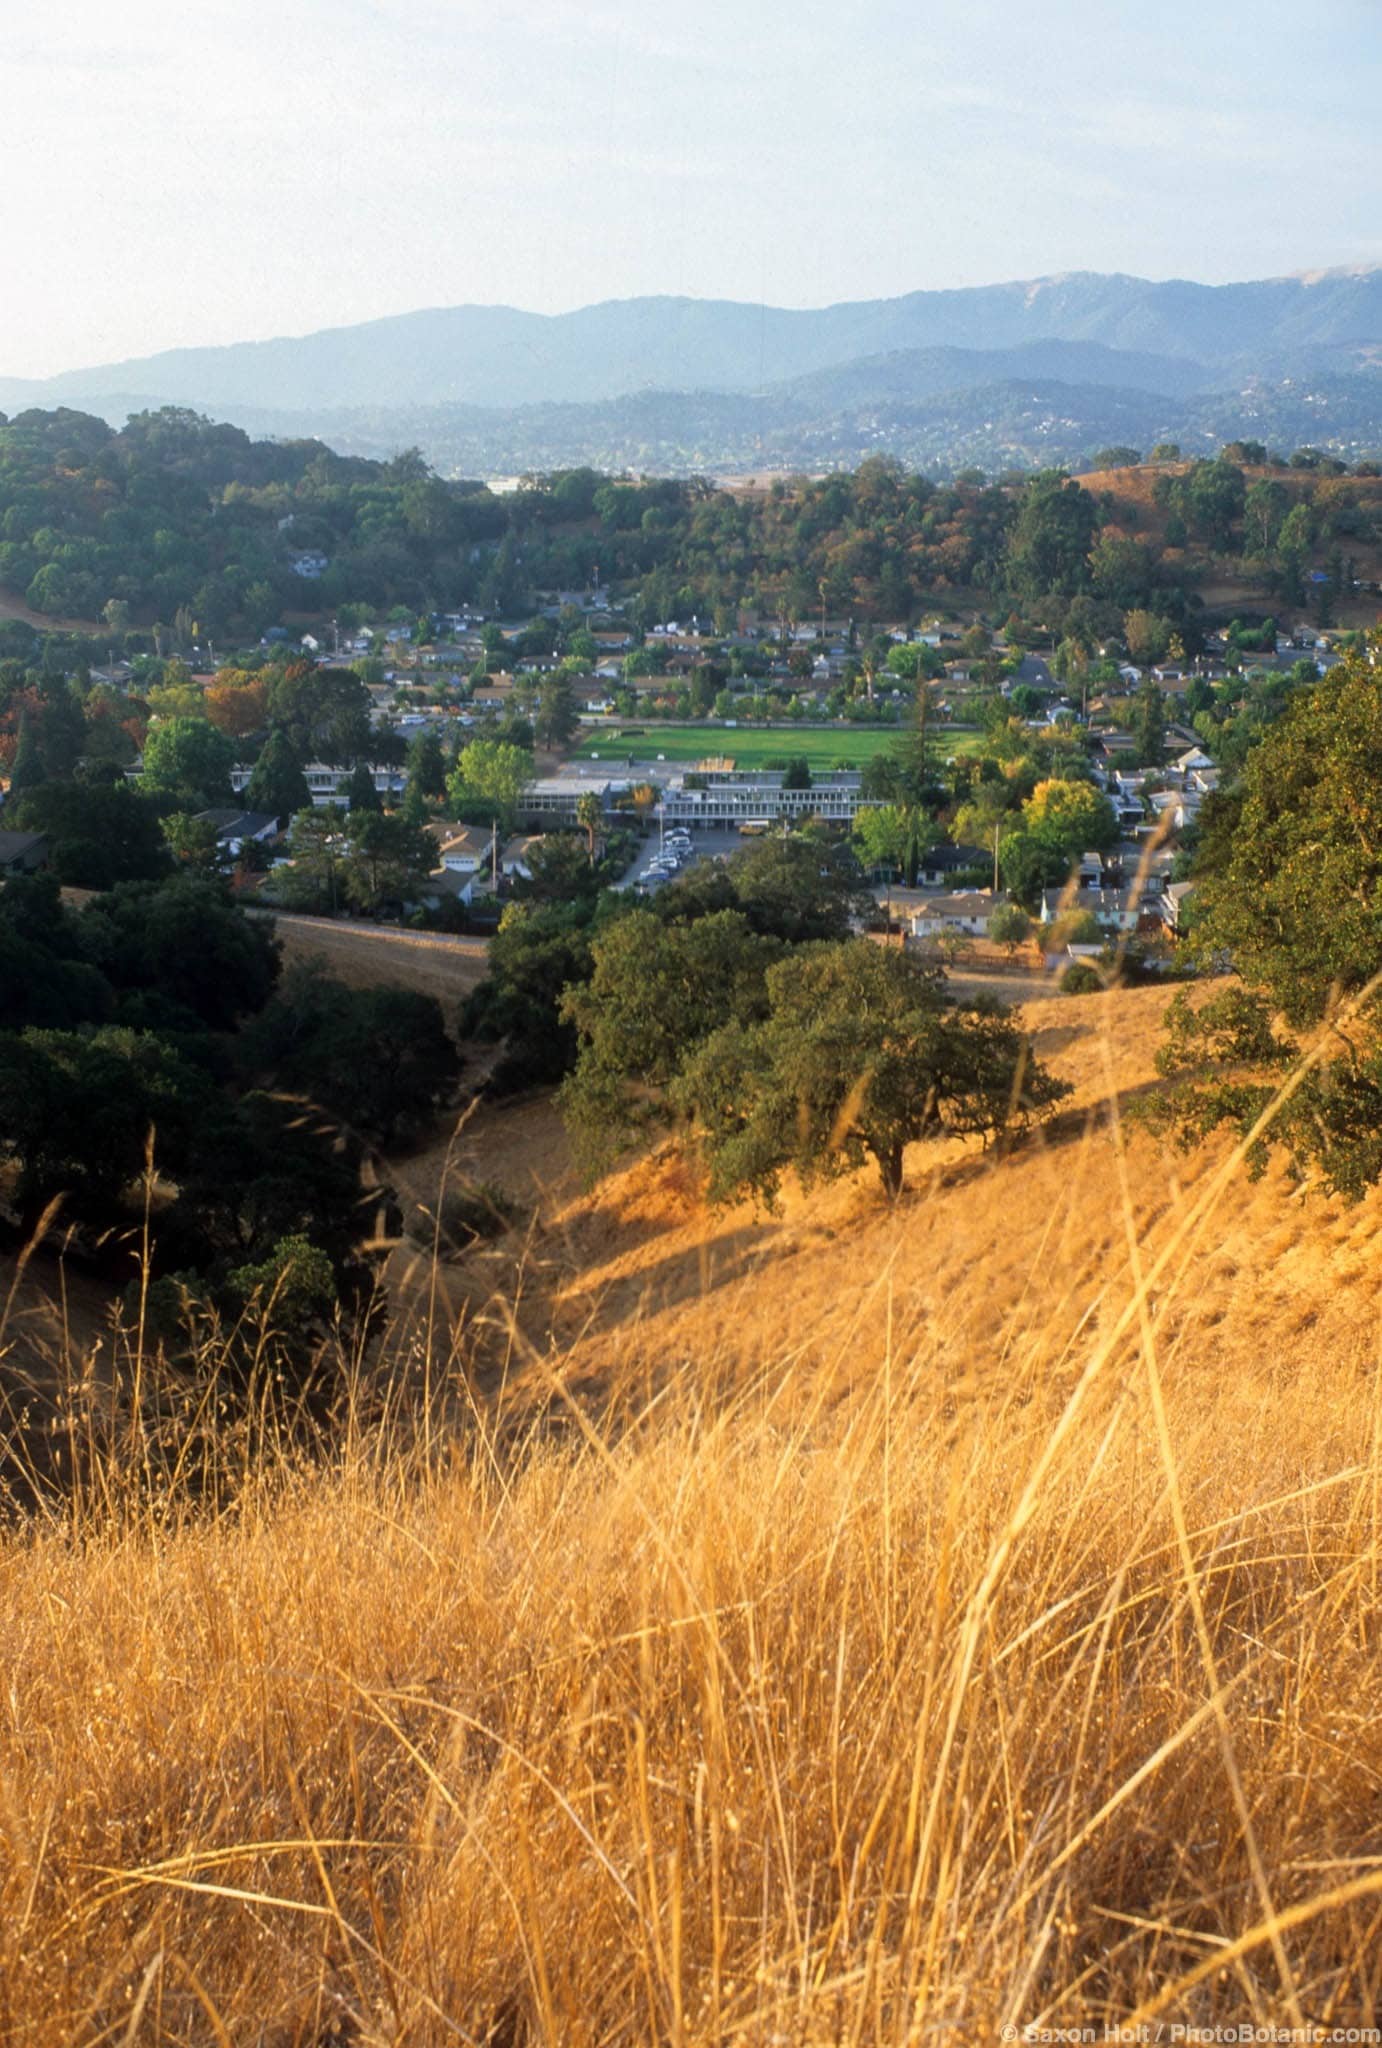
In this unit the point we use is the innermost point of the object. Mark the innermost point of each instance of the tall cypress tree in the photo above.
(29, 768)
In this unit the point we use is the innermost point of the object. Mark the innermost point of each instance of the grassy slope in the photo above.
(846, 1666)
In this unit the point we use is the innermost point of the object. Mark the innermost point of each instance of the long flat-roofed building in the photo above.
(712, 795)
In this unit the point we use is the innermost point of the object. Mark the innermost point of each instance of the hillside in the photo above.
(986, 1257)
(915, 1621)
(995, 415)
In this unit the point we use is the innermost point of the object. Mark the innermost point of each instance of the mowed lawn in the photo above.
(823, 747)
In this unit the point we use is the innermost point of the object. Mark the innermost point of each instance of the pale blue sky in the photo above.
(233, 169)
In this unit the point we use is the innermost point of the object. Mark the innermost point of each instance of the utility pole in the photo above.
(995, 857)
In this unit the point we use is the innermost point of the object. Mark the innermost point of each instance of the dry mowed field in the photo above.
(362, 956)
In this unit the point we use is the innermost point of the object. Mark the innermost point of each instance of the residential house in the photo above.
(237, 829)
(464, 849)
(1119, 910)
(1113, 746)
(968, 912)
(513, 861)
(22, 853)
(941, 864)
(592, 699)
(447, 885)
(1171, 905)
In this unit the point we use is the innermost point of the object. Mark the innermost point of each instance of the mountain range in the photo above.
(1002, 375)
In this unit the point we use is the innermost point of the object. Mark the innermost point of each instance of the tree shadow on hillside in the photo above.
(1057, 1132)
(693, 1273)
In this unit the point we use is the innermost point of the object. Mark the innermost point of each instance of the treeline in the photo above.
(177, 523)
(176, 515)
(155, 1064)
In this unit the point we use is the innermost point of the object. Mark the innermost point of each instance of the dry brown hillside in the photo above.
(948, 1623)
(984, 1256)
(1134, 513)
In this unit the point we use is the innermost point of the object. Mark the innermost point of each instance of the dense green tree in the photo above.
(320, 849)
(1052, 538)
(1029, 863)
(98, 834)
(655, 991)
(1074, 817)
(359, 793)
(277, 786)
(427, 766)
(378, 1058)
(491, 776)
(895, 836)
(323, 712)
(860, 1054)
(1289, 888)
(1151, 724)
(44, 981)
(79, 1109)
(387, 859)
(539, 951)
(560, 869)
(30, 766)
(557, 719)
(192, 842)
(1294, 895)
(64, 725)
(185, 938)
(1010, 927)
(189, 759)
(801, 887)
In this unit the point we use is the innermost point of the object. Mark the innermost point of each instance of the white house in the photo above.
(969, 911)
(513, 861)
(465, 849)
(1118, 909)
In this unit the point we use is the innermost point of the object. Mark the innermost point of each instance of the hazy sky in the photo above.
(233, 169)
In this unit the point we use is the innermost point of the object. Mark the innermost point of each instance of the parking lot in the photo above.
(703, 846)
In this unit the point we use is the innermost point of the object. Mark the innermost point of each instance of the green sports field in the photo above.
(832, 747)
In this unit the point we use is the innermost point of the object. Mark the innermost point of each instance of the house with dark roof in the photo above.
(21, 853)
(235, 829)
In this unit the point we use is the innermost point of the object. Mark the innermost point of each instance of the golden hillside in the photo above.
(851, 1626)
(986, 1257)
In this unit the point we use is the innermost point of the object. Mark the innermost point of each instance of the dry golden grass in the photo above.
(919, 1624)
(363, 956)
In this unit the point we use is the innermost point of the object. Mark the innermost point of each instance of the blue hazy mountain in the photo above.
(684, 383)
